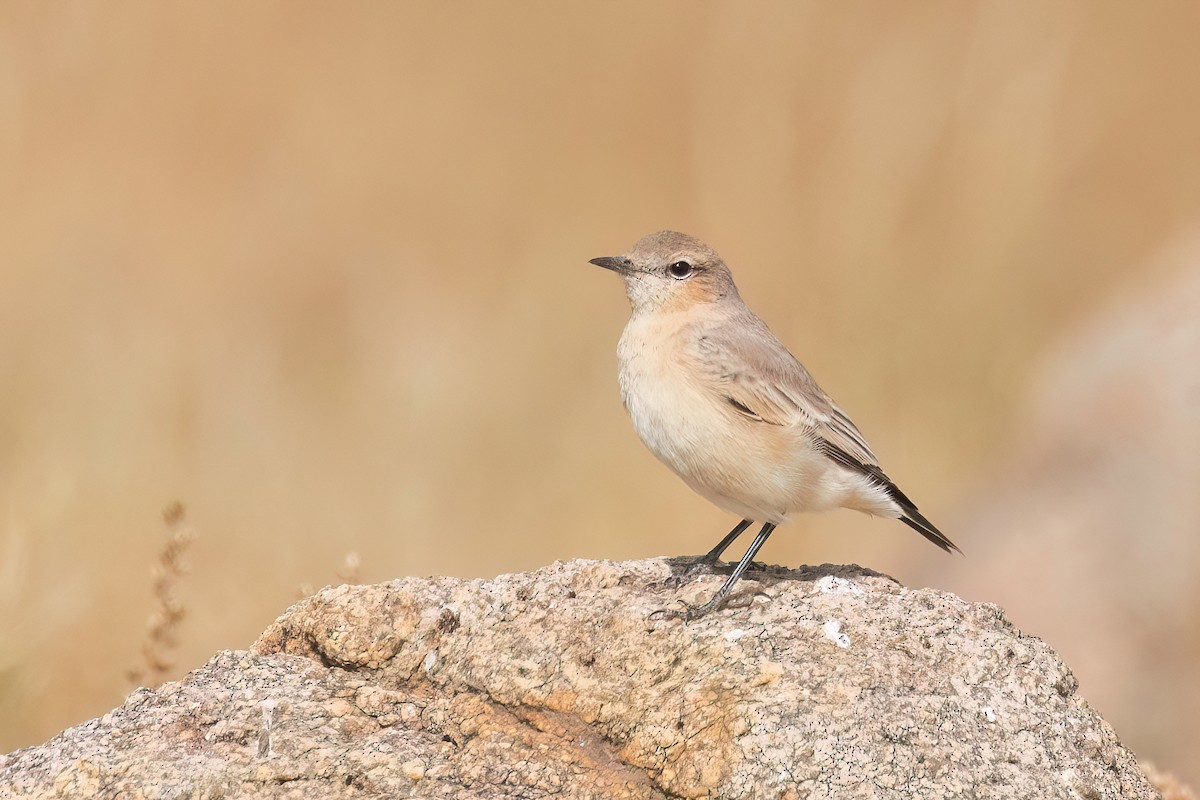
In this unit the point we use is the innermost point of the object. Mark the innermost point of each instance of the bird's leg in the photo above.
(714, 555)
(691, 612)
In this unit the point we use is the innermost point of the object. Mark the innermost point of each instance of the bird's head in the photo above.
(669, 271)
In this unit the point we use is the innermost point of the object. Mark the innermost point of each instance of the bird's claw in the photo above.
(691, 612)
(687, 614)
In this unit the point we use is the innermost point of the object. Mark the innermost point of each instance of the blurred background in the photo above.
(319, 272)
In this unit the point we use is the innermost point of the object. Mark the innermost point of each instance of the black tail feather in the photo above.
(909, 514)
(916, 520)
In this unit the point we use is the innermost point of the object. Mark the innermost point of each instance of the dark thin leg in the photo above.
(714, 555)
(695, 612)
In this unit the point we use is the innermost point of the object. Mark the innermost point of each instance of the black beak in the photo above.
(618, 264)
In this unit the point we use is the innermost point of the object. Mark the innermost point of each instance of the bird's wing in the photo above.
(753, 372)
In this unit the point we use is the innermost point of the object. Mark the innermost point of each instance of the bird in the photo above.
(725, 405)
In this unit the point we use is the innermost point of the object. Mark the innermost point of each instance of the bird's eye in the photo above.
(680, 270)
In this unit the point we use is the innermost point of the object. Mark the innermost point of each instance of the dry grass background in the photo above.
(319, 272)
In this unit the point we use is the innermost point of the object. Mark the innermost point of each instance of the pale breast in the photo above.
(665, 406)
(756, 471)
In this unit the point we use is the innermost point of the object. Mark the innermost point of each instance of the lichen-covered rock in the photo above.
(1096, 510)
(826, 682)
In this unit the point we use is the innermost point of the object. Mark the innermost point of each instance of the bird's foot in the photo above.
(691, 612)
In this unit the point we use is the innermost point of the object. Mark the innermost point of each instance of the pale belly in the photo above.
(724, 457)
(755, 470)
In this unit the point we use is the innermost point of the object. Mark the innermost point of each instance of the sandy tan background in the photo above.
(319, 272)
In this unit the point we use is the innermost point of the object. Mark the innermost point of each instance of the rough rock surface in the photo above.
(1088, 534)
(826, 682)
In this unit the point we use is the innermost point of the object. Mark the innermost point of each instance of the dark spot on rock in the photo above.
(447, 621)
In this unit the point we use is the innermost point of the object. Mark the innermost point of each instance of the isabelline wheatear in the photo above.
(718, 399)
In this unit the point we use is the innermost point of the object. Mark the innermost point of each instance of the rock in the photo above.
(1087, 532)
(826, 682)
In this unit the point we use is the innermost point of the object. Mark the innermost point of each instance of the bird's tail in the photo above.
(916, 520)
(908, 509)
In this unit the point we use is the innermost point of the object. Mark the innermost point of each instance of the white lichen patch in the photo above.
(831, 584)
(834, 633)
(989, 713)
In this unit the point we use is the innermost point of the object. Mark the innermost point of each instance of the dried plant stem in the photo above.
(162, 626)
